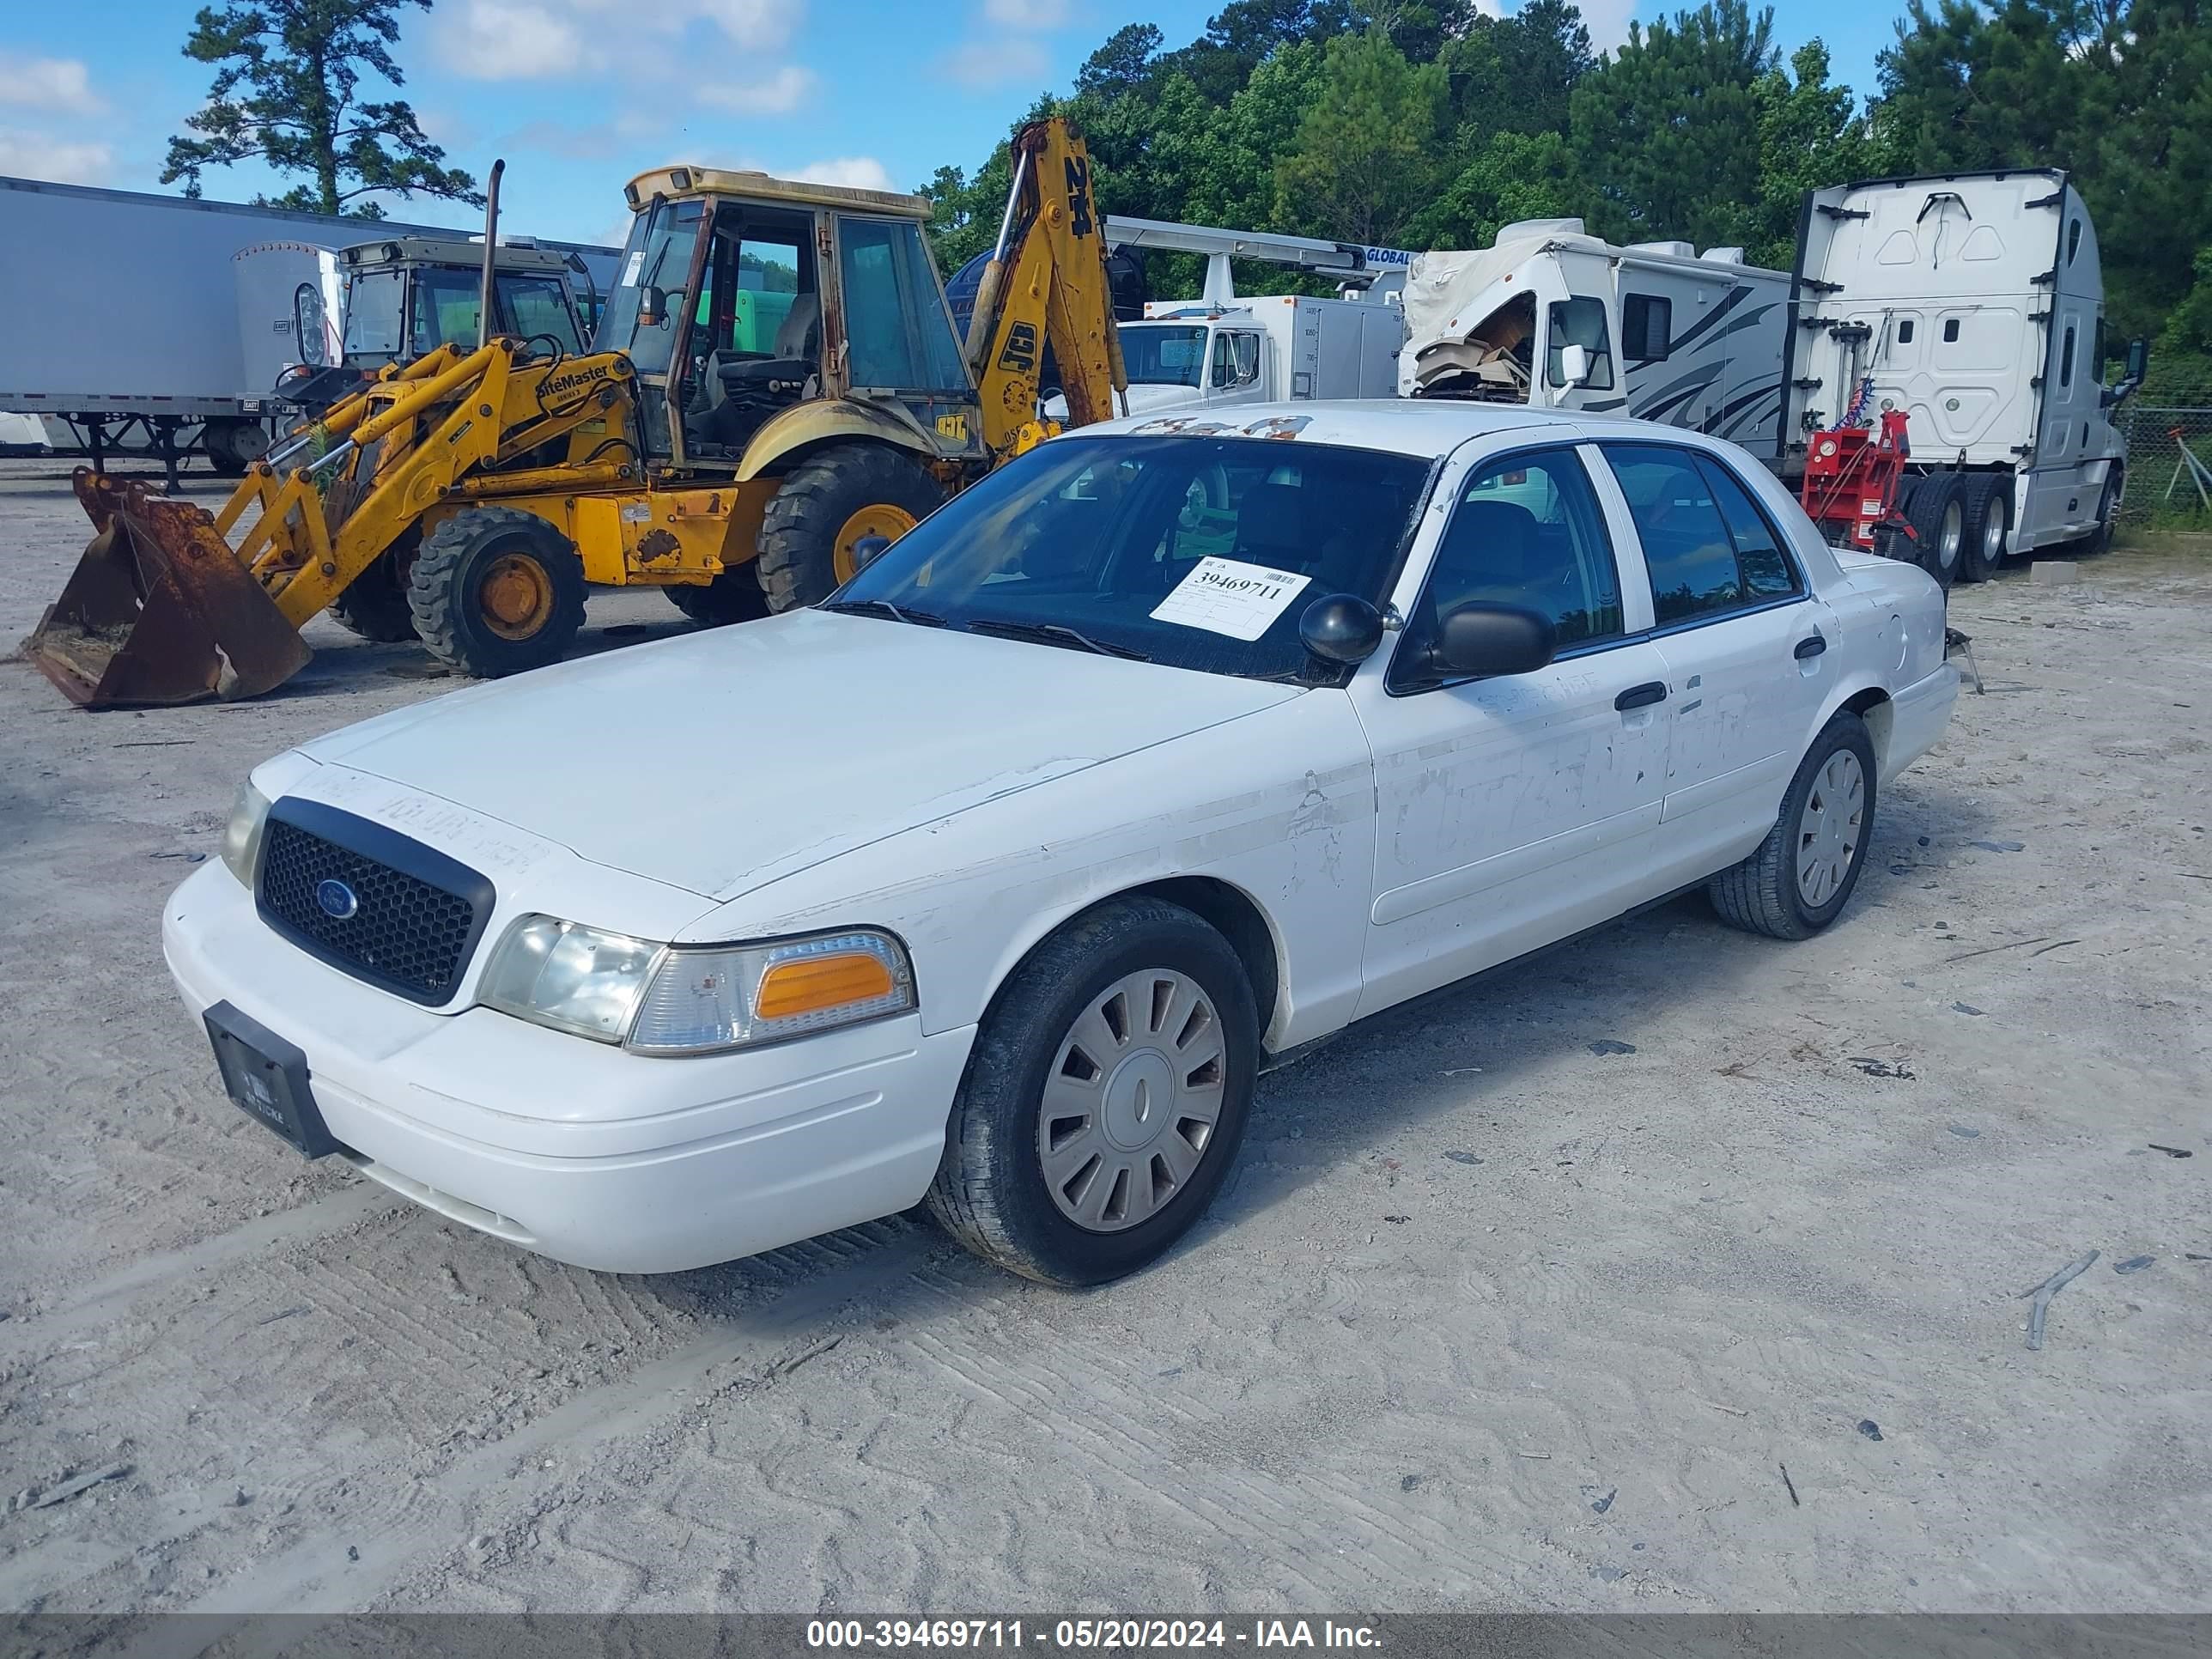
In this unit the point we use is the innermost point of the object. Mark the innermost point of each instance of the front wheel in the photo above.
(826, 506)
(1802, 874)
(495, 591)
(1105, 1098)
(2099, 540)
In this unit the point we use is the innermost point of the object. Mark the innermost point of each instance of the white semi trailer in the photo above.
(1974, 303)
(122, 317)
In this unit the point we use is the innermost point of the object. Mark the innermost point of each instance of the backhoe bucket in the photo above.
(160, 610)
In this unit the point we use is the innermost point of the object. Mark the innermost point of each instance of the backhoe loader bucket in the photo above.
(160, 610)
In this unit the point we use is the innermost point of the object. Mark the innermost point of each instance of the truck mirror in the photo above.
(651, 307)
(1574, 364)
(2138, 359)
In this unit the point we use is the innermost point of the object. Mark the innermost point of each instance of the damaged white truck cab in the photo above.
(1168, 749)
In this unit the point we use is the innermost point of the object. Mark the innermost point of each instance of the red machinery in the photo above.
(1853, 476)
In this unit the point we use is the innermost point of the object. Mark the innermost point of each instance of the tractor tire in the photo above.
(496, 592)
(1937, 510)
(375, 604)
(734, 596)
(826, 504)
(1989, 526)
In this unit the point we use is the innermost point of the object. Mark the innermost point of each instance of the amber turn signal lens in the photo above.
(810, 984)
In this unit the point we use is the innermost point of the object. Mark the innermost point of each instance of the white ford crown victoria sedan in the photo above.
(998, 878)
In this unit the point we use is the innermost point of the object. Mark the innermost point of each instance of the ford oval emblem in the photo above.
(338, 900)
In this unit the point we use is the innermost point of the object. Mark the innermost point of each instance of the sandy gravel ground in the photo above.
(1488, 1318)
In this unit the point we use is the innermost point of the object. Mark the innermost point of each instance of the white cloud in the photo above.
(1607, 22)
(779, 95)
(34, 156)
(507, 40)
(54, 83)
(995, 63)
(761, 24)
(1027, 14)
(862, 172)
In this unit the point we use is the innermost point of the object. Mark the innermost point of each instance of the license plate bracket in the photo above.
(267, 1079)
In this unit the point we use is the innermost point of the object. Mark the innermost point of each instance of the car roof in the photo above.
(1402, 426)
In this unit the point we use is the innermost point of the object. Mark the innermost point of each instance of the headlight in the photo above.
(576, 979)
(734, 996)
(241, 836)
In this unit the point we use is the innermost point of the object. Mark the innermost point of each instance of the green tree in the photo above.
(288, 92)
(1515, 175)
(2145, 166)
(1811, 134)
(1516, 73)
(1367, 148)
(1661, 130)
(1964, 87)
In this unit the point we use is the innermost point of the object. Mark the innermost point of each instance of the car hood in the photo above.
(724, 759)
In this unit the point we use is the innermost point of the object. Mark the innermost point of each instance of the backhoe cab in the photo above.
(774, 390)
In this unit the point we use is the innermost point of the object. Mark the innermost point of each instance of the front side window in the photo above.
(446, 304)
(1528, 531)
(537, 306)
(1579, 322)
(1199, 553)
(1236, 359)
(1707, 549)
(661, 243)
(898, 335)
(1164, 355)
(375, 324)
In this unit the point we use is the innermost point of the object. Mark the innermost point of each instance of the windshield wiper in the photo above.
(1054, 634)
(885, 608)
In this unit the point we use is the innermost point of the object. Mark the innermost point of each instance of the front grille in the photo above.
(417, 914)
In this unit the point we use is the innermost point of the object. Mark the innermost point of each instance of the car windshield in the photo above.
(1163, 356)
(1196, 552)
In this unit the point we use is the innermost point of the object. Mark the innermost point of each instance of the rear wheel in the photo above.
(734, 596)
(495, 591)
(1802, 874)
(375, 604)
(1937, 510)
(1989, 526)
(1105, 1097)
(828, 505)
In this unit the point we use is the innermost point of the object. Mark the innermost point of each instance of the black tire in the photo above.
(1937, 510)
(990, 1192)
(1989, 526)
(1763, 894)
(448, 594)
(734, 596)
(816, 502)
(375, 604)
(2099, 540)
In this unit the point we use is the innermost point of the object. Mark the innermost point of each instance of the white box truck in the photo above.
(1553, 316)
(1974, 303)
(123, 313)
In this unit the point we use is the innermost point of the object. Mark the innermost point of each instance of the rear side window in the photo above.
(1709, 549)
(1647, 328)
(2066, 359)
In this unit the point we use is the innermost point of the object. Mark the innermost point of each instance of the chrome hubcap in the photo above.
(1993, 534)
(1132, 1099)
(1829, 827)
(1952, 535)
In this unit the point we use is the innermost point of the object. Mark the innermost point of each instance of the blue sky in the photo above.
(579, 95)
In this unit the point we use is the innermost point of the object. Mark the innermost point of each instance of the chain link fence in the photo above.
(2169, 466)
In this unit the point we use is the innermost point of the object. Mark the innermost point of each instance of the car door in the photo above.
(1744, 643)
(1513, 811)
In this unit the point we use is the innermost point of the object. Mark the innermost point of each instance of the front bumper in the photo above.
(578, 1149)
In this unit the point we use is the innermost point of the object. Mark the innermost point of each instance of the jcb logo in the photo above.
(1078, 196)
(953, 428)
(1020, 354)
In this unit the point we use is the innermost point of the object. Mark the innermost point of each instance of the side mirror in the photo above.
(1493, 640)
(2138, 360)
(867, 550)
(1341, 628)
(1574, 364)
(651, 307)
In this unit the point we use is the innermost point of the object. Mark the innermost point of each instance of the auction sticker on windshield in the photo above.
(1227, 596)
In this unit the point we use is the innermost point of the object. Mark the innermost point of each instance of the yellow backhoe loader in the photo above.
(776, 390)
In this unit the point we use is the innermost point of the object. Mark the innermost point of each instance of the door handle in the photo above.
(1640, 696)
(1810, 646)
